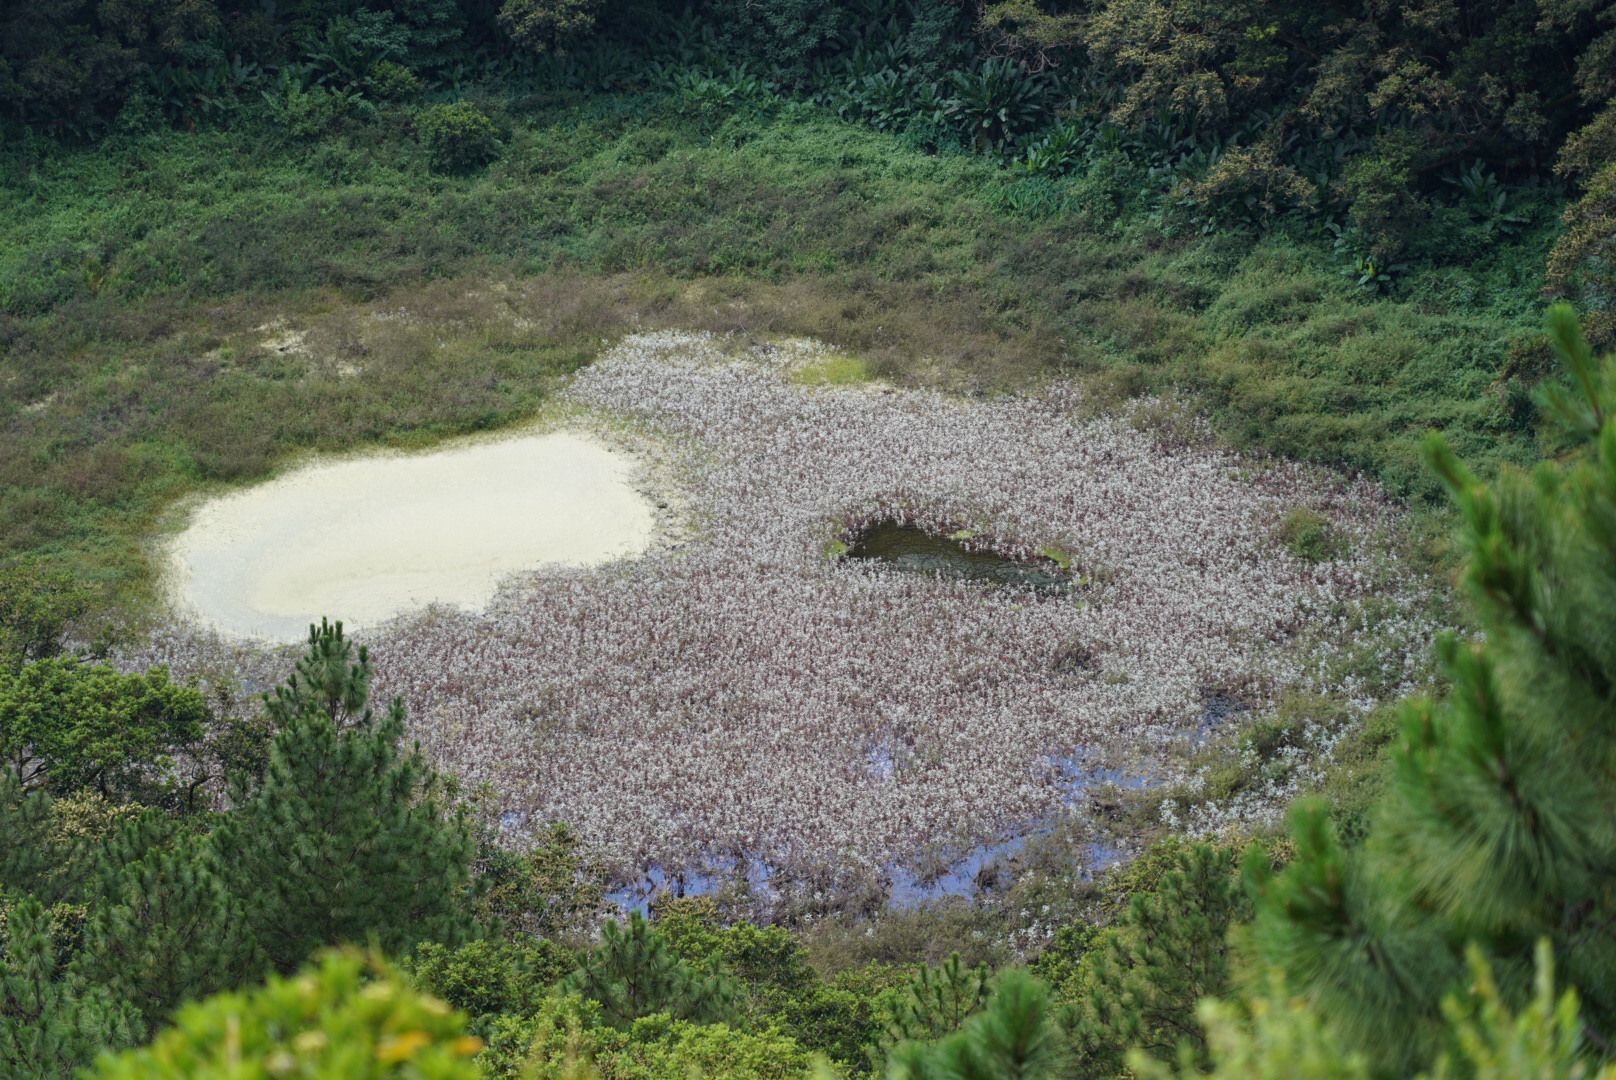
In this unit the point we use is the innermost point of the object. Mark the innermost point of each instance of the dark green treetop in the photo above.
(51, 1021)
(163, 928)
(348, 837)
(633, 974)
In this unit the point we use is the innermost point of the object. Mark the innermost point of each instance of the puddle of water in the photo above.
(1216, 708)
(637, 895)
(1077, 776)
(914, 550)
(958, 880)
(1102, 856)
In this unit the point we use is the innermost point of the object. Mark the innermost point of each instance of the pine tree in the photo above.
(1015, 1037)
(1499, 824)
(51, 1021)
(49, 847)
(327, 678)
(1165, 953)
(633, 974)
(1279, 1037)
(936, 1003)
(346, 839)
(25, 863)
(163, 928)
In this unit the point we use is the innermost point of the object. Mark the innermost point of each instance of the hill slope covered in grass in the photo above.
(143, 278)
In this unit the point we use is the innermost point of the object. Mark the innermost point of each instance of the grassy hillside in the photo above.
(141, 280)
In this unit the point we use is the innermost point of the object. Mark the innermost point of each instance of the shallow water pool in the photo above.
(914, 550)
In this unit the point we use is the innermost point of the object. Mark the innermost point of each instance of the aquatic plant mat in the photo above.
(754, 703)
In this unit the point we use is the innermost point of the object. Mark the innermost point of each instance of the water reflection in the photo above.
(914, 550)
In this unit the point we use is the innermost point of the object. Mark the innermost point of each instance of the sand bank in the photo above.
(366, 539)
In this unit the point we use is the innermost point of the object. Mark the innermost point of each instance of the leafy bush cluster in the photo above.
(457, 137)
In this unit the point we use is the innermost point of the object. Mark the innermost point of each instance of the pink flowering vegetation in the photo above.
(744, 695)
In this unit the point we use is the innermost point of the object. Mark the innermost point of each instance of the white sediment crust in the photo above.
(369, 538)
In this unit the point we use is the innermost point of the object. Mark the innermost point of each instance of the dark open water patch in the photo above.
(914, 550)
(962, 877)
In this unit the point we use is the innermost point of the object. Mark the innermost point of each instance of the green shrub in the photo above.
(1146, 972)
(1306, 533)
(392, 82)
(486, 977)
(565, 1038)
(1248, 186)
(457, 137)
(311, 112)
(1385, 209)
(779, 987)
(346, 1018)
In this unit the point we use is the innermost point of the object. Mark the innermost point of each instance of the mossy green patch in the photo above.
(836, 369)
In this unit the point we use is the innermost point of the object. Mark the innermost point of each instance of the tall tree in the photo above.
(1167, 951)
(25, 862)
(1016, 1037)
(1499, 825)
(936, 1003)
(69, 725)
(347, 837)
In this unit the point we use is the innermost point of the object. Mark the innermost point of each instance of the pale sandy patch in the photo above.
(366, 539)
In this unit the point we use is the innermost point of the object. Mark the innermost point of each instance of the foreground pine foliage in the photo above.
(1499, 826)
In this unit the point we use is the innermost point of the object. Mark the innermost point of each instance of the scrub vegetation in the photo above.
(1281, 268)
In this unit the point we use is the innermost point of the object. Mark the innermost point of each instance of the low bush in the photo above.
(458, 138)
(345, 1016)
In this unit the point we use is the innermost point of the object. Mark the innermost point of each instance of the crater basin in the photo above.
(366, 539)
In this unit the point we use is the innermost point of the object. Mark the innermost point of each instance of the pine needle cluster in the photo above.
(1498, 829)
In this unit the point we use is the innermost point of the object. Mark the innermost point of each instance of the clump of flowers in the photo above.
(742, 696)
